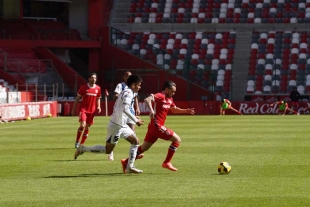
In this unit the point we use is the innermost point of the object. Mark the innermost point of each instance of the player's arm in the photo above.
(148, 101)
(228, 102)
(273, 103)
(117, 91)
(136, 105)
(286, 107)
(77, 99)
(126, 109)
(177, 110)
(115, 96)
(99, 105)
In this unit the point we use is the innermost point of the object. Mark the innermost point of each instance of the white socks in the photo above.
(94, 149)
(132, 155)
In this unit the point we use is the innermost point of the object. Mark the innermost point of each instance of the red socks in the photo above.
(78, 135)
(173, 147)
(85, 135)
(139, 151)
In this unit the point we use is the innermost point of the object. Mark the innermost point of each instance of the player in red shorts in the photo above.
(163, 103)
(90, 94)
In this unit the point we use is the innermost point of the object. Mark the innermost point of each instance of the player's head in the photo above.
(126, 76)
(284, 101)
(169, 88)
(134, 82)
(223, 100)
(92, 78)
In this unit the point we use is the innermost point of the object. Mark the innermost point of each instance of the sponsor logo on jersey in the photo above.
(166, 106)
(91, 94)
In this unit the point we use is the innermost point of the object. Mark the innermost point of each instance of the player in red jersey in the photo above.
(163, 103)
(90, 94)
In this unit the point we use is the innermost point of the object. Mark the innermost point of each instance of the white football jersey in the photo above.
(121, 87)
(125, 98)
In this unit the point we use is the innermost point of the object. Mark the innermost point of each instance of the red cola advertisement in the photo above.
(208, 107)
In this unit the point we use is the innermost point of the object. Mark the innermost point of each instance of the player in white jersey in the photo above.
(117, 127)
(134, 104)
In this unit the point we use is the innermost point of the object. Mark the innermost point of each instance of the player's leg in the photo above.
(221, 111)
(80, 130)
(111, 141)
(149, 140)
(85, 133)
(89, 122)
(94, 149)
(167, 134)
(175, 143)
(291, 110)
(132, 138)
(111, 153)
(281, 112)
(235, 110)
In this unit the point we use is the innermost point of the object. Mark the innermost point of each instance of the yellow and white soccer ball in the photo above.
(28, 118)
(49, 115)
(224, 168)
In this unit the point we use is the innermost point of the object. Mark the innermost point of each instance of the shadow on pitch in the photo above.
(48, 149)
(74, 160)
(85, 175)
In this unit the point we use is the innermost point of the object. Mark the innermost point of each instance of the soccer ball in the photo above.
(28, 118)
(49, 115)
(224, 168)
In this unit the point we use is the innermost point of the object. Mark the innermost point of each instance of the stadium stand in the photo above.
(34, 29)
(242, 16)
(279, 62)
(204, 54)
(214, 11)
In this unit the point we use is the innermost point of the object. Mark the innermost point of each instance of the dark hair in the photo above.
(222, 100)
(168, 84)
(133, 79)
(91, 74)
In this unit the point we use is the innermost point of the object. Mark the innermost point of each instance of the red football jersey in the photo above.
(90, 96)
(162, 106)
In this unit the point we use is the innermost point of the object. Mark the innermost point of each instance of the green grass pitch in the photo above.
(269, 156)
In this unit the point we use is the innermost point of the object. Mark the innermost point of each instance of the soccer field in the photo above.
(269, 156)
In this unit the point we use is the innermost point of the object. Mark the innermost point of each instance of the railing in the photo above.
(34, 93)
(41, 18)
(37, 77)
(210, 17)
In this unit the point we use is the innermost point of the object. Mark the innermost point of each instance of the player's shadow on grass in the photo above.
(49, 148)
(75, 160)
(219, 174)
(85, 175)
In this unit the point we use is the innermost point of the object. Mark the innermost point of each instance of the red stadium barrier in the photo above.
(213, 107)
